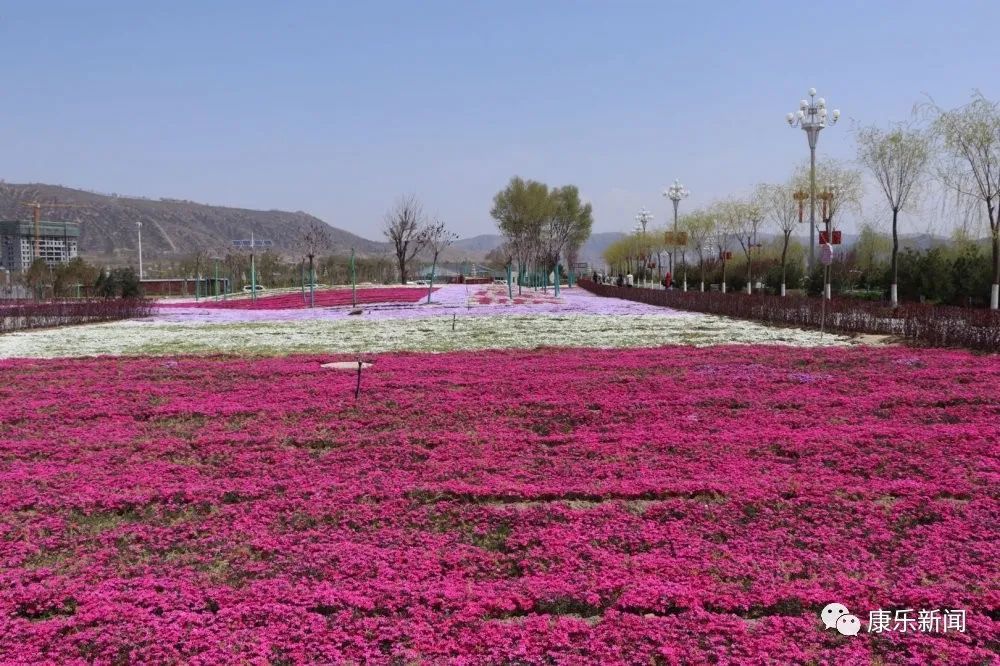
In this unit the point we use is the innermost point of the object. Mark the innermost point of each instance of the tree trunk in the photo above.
(401, 260)
(312, 285)
(893, 297)
(995, 289)
(430, 286)
(784, 257)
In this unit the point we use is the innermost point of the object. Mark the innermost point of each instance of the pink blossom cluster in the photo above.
(671, 506)
(500, 295)
(324, 298)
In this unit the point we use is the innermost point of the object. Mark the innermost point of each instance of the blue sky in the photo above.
(337, 108)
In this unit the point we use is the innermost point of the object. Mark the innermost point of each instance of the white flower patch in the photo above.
(364, 334)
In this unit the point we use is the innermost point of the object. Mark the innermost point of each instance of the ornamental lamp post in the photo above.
(675, 193)
(812, 118)
(642, 220)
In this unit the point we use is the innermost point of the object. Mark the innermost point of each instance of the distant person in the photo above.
(668, 280)
(629, 280)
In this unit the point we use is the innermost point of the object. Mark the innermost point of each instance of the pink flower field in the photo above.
(500, 295)
(324, 298)
(650, 506)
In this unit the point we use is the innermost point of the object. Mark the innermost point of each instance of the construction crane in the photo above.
(36, 206)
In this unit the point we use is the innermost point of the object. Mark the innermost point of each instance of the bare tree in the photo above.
(315, 238)
(403, 226)
(783, 210)
(436, 238)
(897, 159)
(970, 136)
(503, 255)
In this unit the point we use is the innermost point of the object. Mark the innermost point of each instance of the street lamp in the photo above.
(811, 118)
(675, 193)
(642, 220)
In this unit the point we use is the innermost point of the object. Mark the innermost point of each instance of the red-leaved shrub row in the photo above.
(935, 325)
(324, 298)
(18, 315)
(669, 506)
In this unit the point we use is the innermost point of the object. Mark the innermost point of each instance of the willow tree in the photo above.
(897, 159)
(970, 136)
(781, 208)
(617, 255)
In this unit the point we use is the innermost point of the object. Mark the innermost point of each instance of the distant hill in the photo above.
(477, 244)
(170, 228)
(173, 228)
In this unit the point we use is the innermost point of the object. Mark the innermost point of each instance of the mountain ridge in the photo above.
(171, 228)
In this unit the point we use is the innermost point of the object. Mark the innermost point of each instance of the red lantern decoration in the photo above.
(837, 238)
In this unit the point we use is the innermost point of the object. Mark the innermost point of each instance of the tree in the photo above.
(566, 227)
(748, 217)
(38, 278)
(119, 283)
(700, 227)
(616, 255)
(315, 238)
(74, 273)
(781, 208)
(403, 226)
(727, 215)
(970, 136)
(520, 210)
(436, 239)
(840, 184)
(870, 250)
(897, 159)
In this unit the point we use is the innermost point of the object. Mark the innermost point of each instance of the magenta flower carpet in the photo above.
(324, 298)
(655, 506)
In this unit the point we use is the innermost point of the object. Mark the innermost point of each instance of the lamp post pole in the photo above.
(138, 224)
(812, 118)
(675, 193)
(642, 220)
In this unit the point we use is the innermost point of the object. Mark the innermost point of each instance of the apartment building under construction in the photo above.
(57, 243)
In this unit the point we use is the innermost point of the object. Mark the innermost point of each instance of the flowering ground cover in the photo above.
(448, 300)
(365, 334)
(452, 321)
(295, 300)
(671, 505)
(494, 294)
